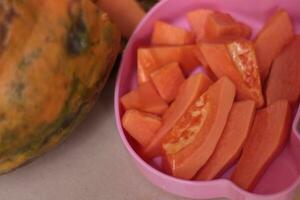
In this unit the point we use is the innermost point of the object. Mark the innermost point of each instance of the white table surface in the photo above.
(91, 165)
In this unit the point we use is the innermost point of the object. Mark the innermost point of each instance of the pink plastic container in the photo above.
(283, 176)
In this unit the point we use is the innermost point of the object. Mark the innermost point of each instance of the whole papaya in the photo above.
(55, 57)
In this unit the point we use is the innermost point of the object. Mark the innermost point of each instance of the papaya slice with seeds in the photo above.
(237, 60)
(194, 137)
(231, 142)
(267, 138)
(194, 86)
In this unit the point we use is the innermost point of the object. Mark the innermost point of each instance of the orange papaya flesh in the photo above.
(168, 80)
(151, 59)
(167, 34)
(231, 142)
(144, 98)
(141, 126)
(221, 25)
(271, 40)
(284, 81)
(204, 63)
(267, 138)
(236, 59)
(197, 20)
(194, 86)
(210, 25)
(193, 139)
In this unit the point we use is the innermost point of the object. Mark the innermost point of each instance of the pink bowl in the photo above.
(283, 176)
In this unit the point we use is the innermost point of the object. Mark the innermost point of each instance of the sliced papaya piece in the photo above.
(194, 137)
(236, 59)
(275, 35)
(144, 98)
(284, 79)
(221, 25)
(141, 126)
(231, 142)
(167, 81)
(194, 86)
(210, 25)
(197, 20)
(267, 138)
(205, 66)
(151, 59)
(167, 34)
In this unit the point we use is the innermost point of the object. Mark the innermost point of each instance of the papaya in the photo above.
(168, 80)
(274, 36)
(55, 58)
(194, 137)
(141, 126)
(151, 59)
(205, 66)
(197, 20)
(211, 25)
(144, 98)
(231, 142)
(167, 34)
(194, 86)
(267, 138)
(237, 60)
(284, 82)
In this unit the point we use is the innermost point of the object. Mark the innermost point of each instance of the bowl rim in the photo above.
(158, 173)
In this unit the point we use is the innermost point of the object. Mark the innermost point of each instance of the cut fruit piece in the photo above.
(220, 25)
(194, 137)
(141, 126)
(284, 79)
(191, 89)
(167, 34)
(151, 59)
(205, 66)
(210, 25)
(231, 142)
(168, 80)
(197, 20)
(144, 98)
(267, 138)
(276, 34)
(237, 60)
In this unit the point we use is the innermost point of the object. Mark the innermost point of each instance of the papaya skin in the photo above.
(51, 79)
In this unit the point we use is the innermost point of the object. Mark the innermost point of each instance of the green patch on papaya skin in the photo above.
(16, 92)
(67, 118)
(27, 60)
(78, 40)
